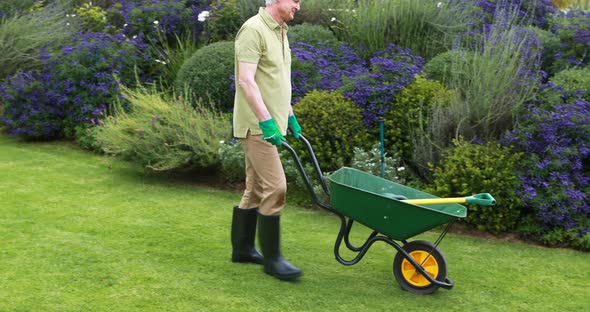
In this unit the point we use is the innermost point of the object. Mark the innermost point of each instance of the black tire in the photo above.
(409, 278)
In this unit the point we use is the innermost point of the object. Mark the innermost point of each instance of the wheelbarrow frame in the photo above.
(346, 224)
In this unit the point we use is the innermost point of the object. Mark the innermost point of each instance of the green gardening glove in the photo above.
(270, 132)
(294, 126)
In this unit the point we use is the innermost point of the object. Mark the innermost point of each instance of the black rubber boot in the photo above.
(243, 231)
(270, 240)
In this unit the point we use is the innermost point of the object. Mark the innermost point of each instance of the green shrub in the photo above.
(207, 73)
(334, 127)
(165, 134)
(573, 81)
(93, 17)
(313, 34)
(468, 169)
(409, 112)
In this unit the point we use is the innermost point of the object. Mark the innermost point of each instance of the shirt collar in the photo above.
(269, 21)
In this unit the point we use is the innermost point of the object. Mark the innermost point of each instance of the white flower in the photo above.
(67, 24)
(221, 142)
(438, 5)
(156, 22)
(73, 15)
(134, 37)
(203, 16)
(401, 169)
(125, 25)
(67, 15)
(333, 19)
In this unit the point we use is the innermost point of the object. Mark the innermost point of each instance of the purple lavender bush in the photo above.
(532, 12)
(568, 44)
(152, 18)
(74, 89)
(556, 174)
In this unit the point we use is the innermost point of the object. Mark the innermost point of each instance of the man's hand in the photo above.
(294, 126)
(270, 132)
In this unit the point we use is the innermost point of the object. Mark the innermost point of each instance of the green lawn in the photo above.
(84, 232)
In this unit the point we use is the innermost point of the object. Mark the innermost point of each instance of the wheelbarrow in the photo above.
(395, 213)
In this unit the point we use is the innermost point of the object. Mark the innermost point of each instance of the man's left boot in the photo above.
(243, 232)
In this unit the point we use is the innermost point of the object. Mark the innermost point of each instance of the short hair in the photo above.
(270, 2)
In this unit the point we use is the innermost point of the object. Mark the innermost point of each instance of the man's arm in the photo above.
(246, 81)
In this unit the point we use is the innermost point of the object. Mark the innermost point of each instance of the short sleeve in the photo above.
(249, 46)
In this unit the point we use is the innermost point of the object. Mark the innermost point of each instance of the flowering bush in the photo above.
(371, 86)
(569, 42)
(555, 177)
(320, 67)
(31, 108)
(147, 18)
(391, 70)
(79, 82)
(528, 11)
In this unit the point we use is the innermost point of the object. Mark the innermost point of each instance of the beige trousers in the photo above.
(266, 185)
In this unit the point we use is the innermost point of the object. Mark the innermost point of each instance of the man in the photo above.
(262, 114)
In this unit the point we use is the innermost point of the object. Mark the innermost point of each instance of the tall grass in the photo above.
(424, 26)
(172, 55)
(495, 80)
(23, 39)
(164, 133)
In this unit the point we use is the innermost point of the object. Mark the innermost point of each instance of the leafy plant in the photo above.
(93, 16)
(165, 134)
(468, 169)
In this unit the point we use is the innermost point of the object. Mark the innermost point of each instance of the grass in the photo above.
(85, 232)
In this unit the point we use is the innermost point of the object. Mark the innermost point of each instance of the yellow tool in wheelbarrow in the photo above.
(483, 199)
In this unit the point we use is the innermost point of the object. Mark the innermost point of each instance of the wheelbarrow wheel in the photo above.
(429, 257)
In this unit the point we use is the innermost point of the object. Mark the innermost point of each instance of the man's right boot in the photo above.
(243, 231)
(269, 238)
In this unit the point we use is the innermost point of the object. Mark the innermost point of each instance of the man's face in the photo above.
(288, 8)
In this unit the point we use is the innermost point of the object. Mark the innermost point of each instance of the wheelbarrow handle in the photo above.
(483, 199)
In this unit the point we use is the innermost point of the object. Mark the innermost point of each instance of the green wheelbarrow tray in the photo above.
(395, 213)
(380, 204)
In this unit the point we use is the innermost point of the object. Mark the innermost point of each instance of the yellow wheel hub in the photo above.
(412, 275)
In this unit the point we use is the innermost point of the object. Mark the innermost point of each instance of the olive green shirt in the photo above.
(261, 40)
